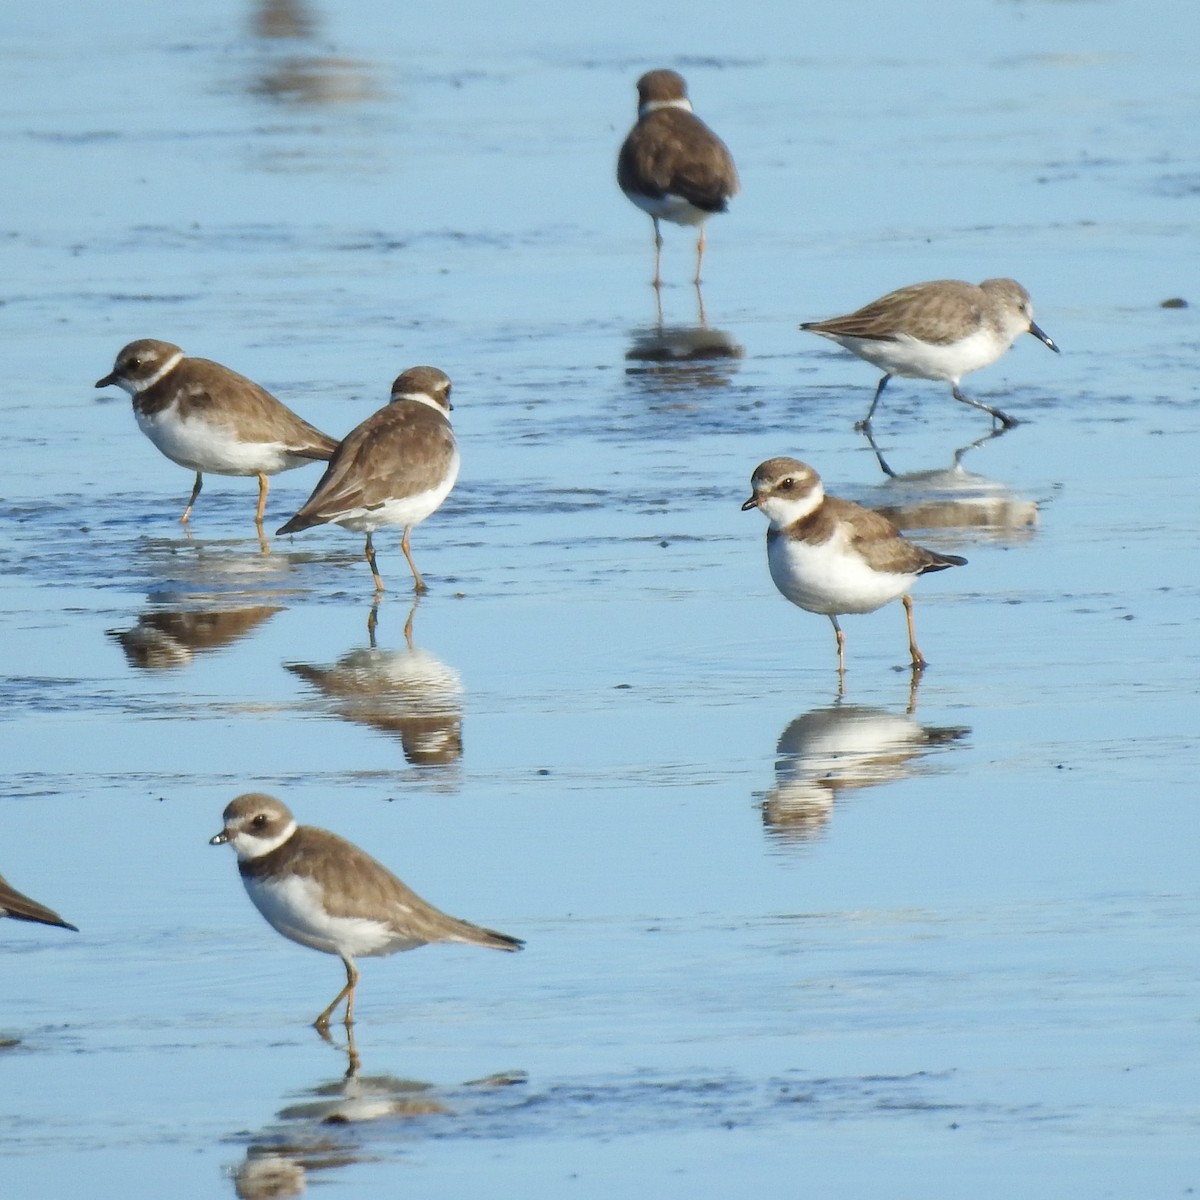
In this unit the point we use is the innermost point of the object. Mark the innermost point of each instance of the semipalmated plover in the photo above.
(939, 330)
(672, 165)
(322, 891)
(395, 468)
(21, 908)
(833, 556)
(206, 417)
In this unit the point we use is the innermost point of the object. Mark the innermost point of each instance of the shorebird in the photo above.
(833, 556)
(939, 330)
(672, 165)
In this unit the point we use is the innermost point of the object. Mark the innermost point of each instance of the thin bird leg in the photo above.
(263, 484)
(347, 994)
(918, 659)
(699, 255)
(370, 554)
(841, 645)
(699, 306)
(657, 253)
(996, 415)
(865, 423)
(187, 512)
(419, 583)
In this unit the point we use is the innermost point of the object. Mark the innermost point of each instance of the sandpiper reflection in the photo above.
(165, 639)
(298, 78)
(409, 693)
(842, 748)
(952, 498)
(665, 359)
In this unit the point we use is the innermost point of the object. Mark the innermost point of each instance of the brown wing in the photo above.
(881, 544)
(673, 151)
(19, 906)
(365, 887)
(206, 387)
(402, 450)
(933, 312)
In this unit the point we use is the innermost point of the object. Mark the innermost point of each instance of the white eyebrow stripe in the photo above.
(141, 385)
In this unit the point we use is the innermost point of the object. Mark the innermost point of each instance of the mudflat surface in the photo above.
(910, 941)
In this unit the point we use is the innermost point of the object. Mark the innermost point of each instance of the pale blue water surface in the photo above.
(909, 944)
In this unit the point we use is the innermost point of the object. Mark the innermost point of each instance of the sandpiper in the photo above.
(833, 556)
(939, 330)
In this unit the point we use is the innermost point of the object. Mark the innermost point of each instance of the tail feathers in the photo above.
(296, 524)
(491, 938)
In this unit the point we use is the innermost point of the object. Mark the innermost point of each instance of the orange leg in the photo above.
(699, 255)
(419, 584)
(263, 484)
(347, 994)
(918, 659)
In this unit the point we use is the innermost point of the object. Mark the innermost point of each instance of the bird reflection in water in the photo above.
(304, 79)
(409, 693)
(953, 498)
(346, 1121)
(164, 639)
(667, 359)
(843, 748)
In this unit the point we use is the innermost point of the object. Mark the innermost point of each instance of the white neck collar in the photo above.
(654, 105)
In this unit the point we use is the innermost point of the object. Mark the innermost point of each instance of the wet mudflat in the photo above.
(910, 941)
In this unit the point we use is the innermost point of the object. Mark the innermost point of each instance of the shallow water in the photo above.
(915, 941)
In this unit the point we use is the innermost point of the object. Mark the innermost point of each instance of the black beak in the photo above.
(218, 839)
(107, 380)
(751, 503)
(1041, 336)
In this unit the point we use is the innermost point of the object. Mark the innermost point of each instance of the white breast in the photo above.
(830, 578)
(203, 446)
(292, 906)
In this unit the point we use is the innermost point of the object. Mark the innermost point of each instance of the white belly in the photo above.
(671, 208)
(913, 359)
(292, 907)
(201, 446)
(829, 578)
(405, 512)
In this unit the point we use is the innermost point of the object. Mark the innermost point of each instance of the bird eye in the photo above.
(787, 484)
(259, 821)
(134, 363)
